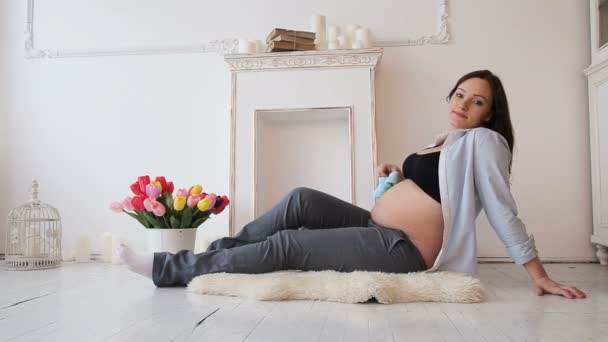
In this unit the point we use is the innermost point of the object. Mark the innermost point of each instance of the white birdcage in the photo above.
(33, 239)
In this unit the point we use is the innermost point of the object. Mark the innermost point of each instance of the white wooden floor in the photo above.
(104, 302)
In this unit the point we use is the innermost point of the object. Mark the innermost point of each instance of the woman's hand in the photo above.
(548, 286)
(384, 170)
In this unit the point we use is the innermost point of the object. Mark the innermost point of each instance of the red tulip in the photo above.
(224, 201)
(136, 190)
(169, 188)
(162, 181)
(138, 202)
(143, 181)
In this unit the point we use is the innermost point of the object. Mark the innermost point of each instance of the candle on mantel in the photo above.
(259, 47)
(333, 45)
(350, 34)
(332, 33)
(342, 42)
(318, 26)
(362, 36)
(243, 45)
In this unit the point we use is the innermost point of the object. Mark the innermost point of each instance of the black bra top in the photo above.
(423, 170)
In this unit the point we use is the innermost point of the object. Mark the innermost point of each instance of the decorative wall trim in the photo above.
(440, 37)
(222, 47)
(304, 59)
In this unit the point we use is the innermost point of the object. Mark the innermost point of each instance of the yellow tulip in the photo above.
(204, 205)
(196, 190)
(158, 184)
(179, 203)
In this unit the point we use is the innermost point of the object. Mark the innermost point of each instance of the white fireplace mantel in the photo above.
(301, 118)
(368, 58)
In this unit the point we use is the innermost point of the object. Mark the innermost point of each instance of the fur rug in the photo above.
(351, 287)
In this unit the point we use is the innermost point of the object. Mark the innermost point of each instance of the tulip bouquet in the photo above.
(155, 207)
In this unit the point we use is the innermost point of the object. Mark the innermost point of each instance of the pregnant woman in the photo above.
(424, 223)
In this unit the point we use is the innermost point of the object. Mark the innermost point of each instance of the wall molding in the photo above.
(221, 47)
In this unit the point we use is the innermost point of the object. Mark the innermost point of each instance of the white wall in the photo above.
(74, 123)
(4, 96)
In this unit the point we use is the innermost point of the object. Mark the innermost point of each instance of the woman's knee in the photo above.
(303, 192)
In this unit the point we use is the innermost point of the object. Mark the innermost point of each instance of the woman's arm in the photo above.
(492, 158)
(545, 285)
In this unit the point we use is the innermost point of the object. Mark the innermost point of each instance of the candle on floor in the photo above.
(83, 248)
(116, 241)
(106, 247)
(68, 255)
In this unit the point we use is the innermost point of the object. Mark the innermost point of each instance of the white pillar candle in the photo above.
(83, 249)
(106, 247)
(362, 36)
(318, 26)
(333, 45)
(116, 241)
(350, 34)
(243, 45)
(332, 33)
(251, 48)
(67, 255)
(259, 47)
(342, 42)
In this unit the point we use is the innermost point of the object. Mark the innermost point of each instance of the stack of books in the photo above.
(288, 40)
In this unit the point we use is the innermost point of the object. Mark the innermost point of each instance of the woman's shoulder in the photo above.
(483, 136)
(490, 143)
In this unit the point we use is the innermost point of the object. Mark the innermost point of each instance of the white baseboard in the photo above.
(547, 260)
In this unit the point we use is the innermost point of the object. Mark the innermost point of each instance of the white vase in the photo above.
(171, 240)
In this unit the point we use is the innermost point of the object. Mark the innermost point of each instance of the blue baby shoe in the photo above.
(384, 183)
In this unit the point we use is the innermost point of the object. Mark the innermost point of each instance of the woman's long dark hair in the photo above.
(500, 121)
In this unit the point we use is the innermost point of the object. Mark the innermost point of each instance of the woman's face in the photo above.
(470, 105)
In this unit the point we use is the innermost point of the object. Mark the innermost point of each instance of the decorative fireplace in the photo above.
(302, 118)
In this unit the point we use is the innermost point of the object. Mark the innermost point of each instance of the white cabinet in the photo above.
(597, 75)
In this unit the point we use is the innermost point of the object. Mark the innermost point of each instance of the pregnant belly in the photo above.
(408, 208)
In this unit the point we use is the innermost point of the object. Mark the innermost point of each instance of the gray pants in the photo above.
(339, 236)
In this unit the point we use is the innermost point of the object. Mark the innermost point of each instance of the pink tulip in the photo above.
(148, 204)
(213, 198)
(128, 204)
(153, 191)
(182, 193)
(155, 206)
(193, 200)
(116, 207)
(158, 209)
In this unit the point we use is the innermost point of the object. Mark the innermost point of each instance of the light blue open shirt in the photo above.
(474, 174)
